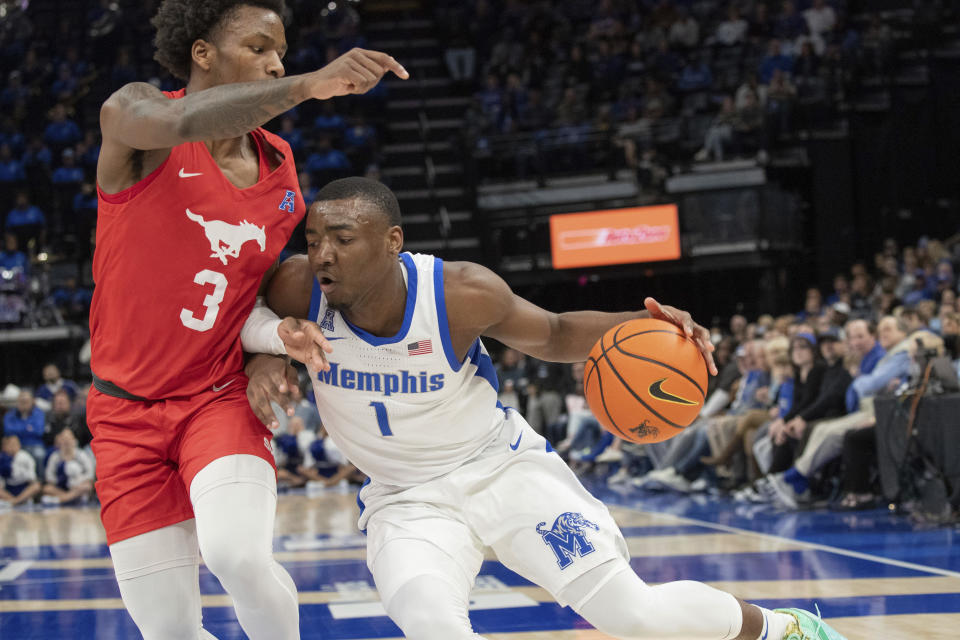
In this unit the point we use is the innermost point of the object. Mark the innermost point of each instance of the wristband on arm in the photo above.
(260, 332)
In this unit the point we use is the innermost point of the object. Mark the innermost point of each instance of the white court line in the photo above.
(14, 570)
(809, 545)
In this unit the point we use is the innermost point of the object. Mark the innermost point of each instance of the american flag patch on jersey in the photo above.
(419, 348)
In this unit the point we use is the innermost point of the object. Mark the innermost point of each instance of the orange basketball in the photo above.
(645, 380)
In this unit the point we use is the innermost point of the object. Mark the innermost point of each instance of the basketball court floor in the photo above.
(872, 574)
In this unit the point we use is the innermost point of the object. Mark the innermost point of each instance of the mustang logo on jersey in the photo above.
(227, 239)
(566, 537)
(385, 383)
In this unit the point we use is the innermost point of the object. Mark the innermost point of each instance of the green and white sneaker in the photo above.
(808, 626)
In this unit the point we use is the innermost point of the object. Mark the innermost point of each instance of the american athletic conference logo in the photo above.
(567, 538)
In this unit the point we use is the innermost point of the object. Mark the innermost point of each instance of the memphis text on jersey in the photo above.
(385, 383)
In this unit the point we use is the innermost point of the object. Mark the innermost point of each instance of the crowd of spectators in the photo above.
(789, 419)
(711, 79)
(53, 79)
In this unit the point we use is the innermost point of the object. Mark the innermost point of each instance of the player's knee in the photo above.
(233, 564)
(422, 623)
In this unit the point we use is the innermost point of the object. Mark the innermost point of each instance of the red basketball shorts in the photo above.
(149, 452)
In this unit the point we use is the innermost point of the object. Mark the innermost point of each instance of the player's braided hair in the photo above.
(372, 191)
(180, 23)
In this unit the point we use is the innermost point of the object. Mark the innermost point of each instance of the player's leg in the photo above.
(227, 463)
(147, 517)
(235, 502)
(158, 577)
(424, 564)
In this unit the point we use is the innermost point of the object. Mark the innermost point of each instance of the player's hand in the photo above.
(355, 72)
(699, 335)
(270, 378)
(777, 431)
(305, 343)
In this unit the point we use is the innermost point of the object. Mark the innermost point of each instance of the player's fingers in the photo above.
(388, 63)
(313, 332)
(260, 403)
(370, 76)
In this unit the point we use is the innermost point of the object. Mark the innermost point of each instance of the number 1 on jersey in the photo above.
(382, 420)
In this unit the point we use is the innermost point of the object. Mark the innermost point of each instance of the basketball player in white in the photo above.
(409, 394)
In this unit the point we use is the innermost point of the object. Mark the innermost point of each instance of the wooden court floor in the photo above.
(872, 574)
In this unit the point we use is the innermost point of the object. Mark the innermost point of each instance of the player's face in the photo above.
(351, 249)
(249, 46)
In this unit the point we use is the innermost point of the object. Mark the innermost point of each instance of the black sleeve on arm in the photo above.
(830, 400)
(805, 393)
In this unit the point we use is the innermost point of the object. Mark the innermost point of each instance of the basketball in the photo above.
(645, 380)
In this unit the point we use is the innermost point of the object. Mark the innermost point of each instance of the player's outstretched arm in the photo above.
(479, 302)
(139, 116)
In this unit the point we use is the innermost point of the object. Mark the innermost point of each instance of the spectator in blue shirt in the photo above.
(11, 257)
(14, 91)
(53, 381)
(65, 84)
(790, 25)
(775, 59)
(88, 151)
(329, 120)
(360, 134)
(24, 214)
(292, 135)
(37, 155)
(68, 172)
(61, 132)
(696, 75)
(326, 158)
(26, 421)
(11, 169)
(306, 187)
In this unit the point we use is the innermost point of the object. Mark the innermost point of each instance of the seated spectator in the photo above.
(826, 440)
(53, 381)
(61, 132)
(789, 25)
(325, 465)
(306, 187)
(70, 472)
(37, 155)
(696, 75)
(685, 31)
(25, 219)
(359, 134)
(732, 30)
(65, 85)
(68, 173)
(781, 100)
(761, 25)
(18, 473)
(289, 451)
(775, 59)
(292, 135)
(11, 169)
(11, 257)
(329, 121)
(326, 158)
(820, 18)
(719, 134)
(62, 416)
(26, 421)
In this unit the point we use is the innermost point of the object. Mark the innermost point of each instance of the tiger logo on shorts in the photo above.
(567, 538)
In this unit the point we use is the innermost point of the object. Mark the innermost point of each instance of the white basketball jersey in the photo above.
(404, 409)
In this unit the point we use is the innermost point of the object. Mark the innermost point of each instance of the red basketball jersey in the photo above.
(179, 258)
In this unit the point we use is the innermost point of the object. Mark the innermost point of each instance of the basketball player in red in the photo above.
(452, 472)
(196, 201)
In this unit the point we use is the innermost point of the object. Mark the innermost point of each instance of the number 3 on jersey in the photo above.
(211, 302)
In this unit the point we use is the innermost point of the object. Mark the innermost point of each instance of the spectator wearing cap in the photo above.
(826, 439)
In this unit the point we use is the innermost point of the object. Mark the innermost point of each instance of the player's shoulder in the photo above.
(472, 292)
(289, 291)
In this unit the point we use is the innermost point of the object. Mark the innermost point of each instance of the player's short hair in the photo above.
(180, 23)
(372, 191)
